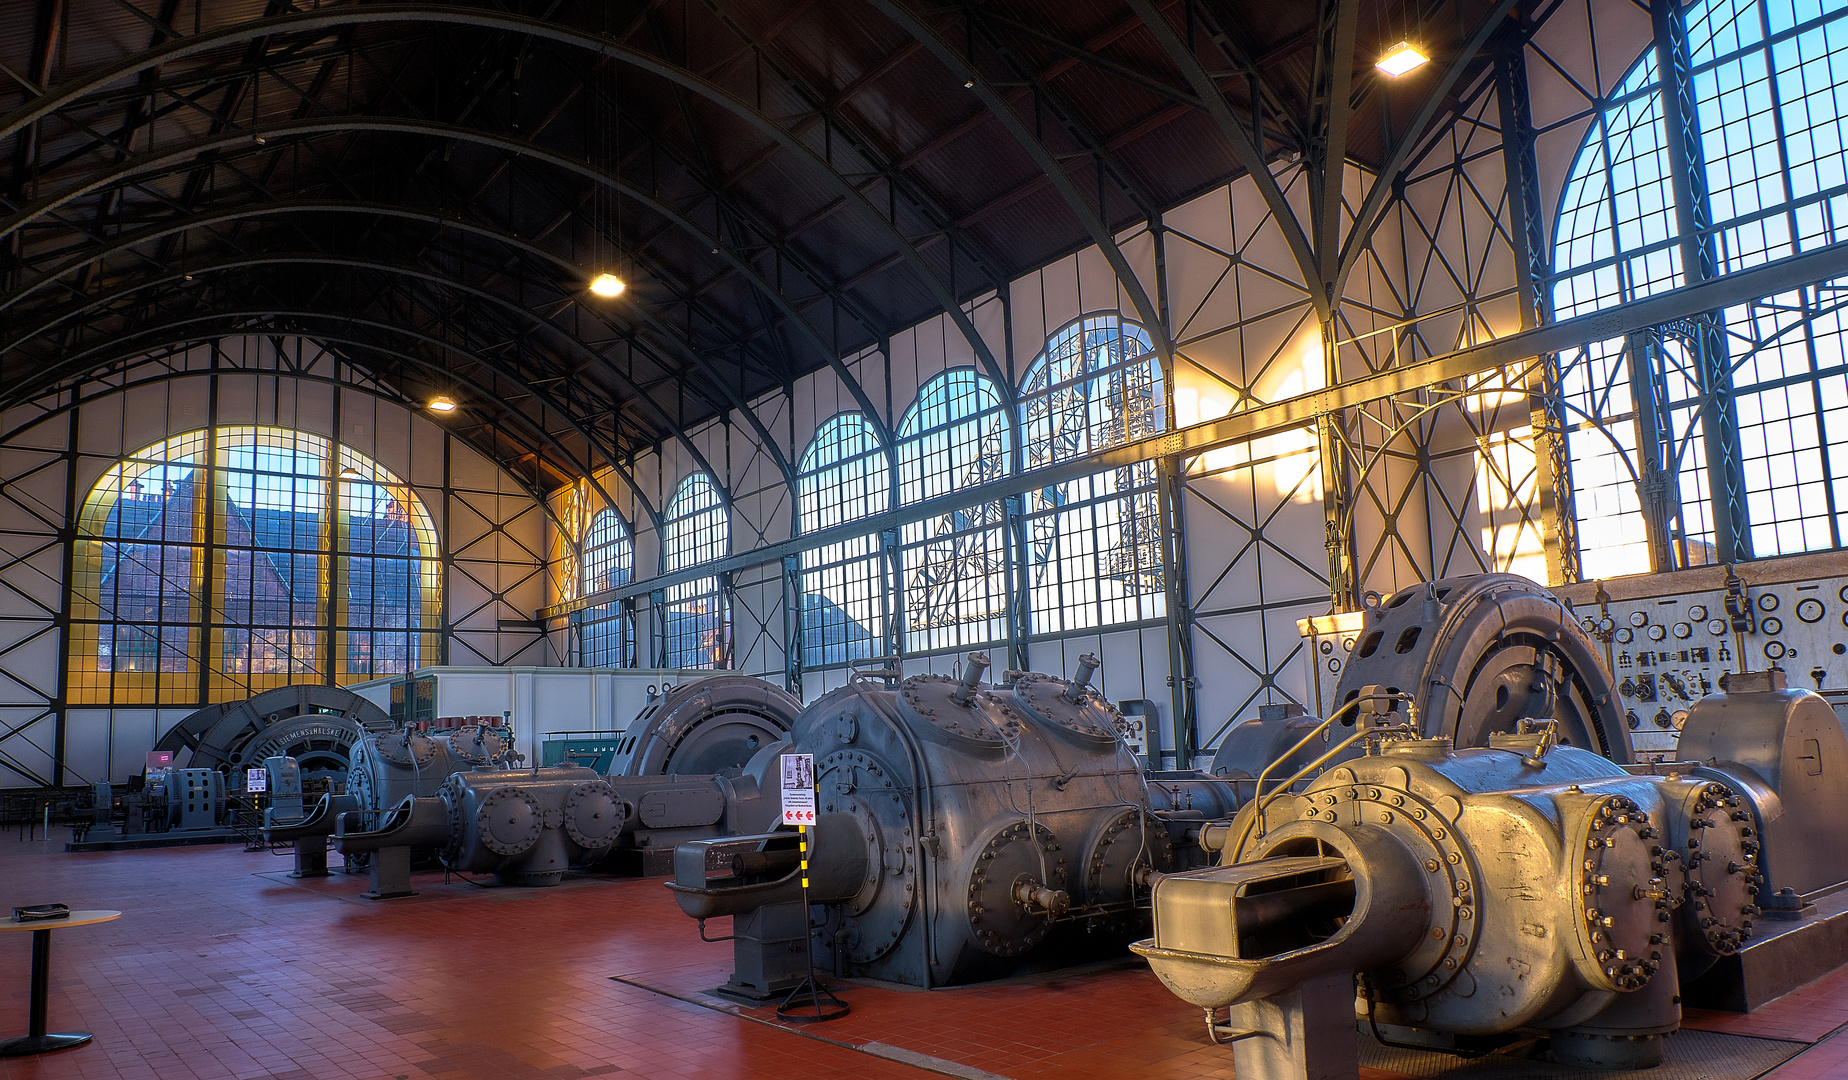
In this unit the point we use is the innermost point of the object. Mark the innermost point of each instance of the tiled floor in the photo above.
(224, 968)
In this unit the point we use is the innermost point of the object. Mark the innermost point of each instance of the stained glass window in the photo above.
(955, 564)
(1093, 544)
(220, 563)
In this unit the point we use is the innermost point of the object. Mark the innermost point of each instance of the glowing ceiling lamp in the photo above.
(1402, 58)
(442, 404)
(607, 286)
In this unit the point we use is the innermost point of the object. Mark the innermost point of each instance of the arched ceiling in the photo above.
(429, 186)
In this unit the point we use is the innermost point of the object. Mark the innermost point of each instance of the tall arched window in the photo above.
(954, 438)
(1766, 145)
(844, 476)
(697, 631)
(1093, 544)
(223, 562)
(607, 561)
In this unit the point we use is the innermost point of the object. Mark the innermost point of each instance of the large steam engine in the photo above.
(455, 796)
(962, 830)
(1523, 885)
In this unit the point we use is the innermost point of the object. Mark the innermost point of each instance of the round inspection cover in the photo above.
(410, 750)
(857, 784)
(594, 815)
(1090, 722)
(999, 923)
(926, 700)
(1124, 842)
(477, 745)
(509, 820)
(1620, 891)
(1720, 853)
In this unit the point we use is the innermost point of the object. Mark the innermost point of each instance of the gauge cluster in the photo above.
(1667, 651)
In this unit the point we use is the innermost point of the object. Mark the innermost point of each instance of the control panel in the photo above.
(1669, 637)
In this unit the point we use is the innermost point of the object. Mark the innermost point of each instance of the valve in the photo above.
(1087, 664)
(973, 670)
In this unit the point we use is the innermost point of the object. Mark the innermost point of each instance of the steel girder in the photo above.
(79, 363)
(182, 154)
(135, 349)
(271, 258)
(328, 18)
(1512, 351)
(1732, 534)
(1100, 234)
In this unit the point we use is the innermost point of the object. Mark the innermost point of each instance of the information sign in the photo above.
(798, 789)
(256, 779)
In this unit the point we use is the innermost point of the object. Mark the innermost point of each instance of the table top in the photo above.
(77, 918)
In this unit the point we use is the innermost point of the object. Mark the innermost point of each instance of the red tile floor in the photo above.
(223, 967)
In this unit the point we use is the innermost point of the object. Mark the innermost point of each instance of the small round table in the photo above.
(37, 1041)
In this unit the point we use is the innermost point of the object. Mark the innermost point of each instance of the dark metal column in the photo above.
(1699, 262)
(1532, 260)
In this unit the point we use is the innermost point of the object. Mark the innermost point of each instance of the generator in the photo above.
(963, 832)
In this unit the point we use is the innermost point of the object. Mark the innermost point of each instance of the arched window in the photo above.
(952, 439)
(608, 560)
(224, 562)
(1766, 140)
(697, 632)
(844, 476)
(1093, 544)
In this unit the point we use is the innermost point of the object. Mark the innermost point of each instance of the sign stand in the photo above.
(810, 1002)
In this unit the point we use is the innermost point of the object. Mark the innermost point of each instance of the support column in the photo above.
(1699, 262)
(1546, 404)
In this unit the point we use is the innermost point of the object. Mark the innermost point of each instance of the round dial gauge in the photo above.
(1623, 635)
(1683, 631)
(1697, 613)
(1656, 632)
(1844, 594)
(1771, 625)
(1638, 618)
(1810, 609)
(1768, 602)
(1716, 627)
(1680, 718)
(1607, 624)
(1774, 650)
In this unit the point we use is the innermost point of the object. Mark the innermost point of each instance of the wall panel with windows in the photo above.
(246, 514)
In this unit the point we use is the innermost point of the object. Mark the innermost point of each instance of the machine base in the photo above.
(138, 841)
(28, 1045)
(1783, 956)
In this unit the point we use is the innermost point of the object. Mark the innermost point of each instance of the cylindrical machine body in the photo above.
(528, 826)
(390, 765)
(1549, 884)
(982, 824)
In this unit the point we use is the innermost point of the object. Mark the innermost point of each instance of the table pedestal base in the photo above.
(28, 1045)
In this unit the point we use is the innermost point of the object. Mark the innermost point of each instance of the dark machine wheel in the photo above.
(316, 725)
(1479, 653)
(711, 725)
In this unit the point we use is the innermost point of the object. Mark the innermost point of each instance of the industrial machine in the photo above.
(964, 832)
(722, 724)
(1477, 654)
(197, 788)
(527, 827)
(315, 725)
(1523, 885)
